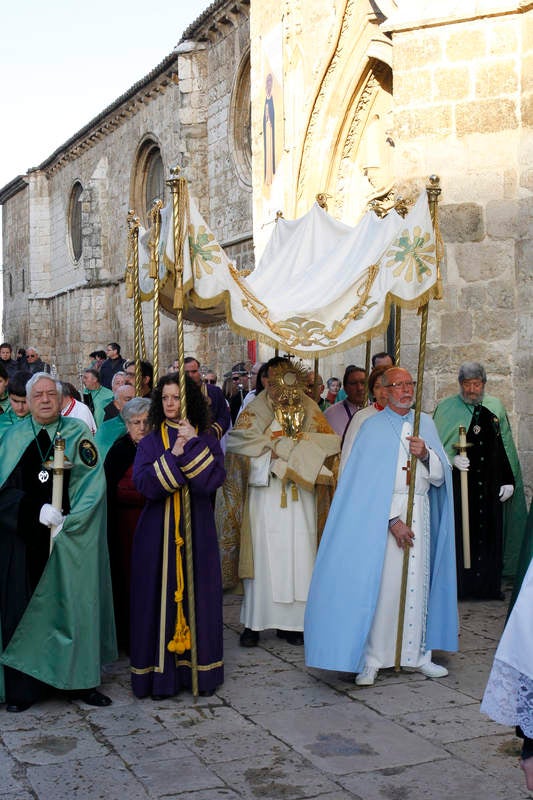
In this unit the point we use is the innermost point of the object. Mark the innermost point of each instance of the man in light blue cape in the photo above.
(352, 608)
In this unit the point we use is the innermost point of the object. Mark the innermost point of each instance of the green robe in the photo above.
(108, 433)
(67, 631)
(8, 419)
(452, 412)
(100, 398)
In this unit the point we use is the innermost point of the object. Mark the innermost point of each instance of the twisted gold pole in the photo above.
(133, 264)
(155, 239)
(367, 367)
(433, 192)
(178, 188)
(397, 334)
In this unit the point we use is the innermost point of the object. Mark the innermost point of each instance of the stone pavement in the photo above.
(276, 729)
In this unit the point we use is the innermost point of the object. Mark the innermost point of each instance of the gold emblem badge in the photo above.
(88, 453)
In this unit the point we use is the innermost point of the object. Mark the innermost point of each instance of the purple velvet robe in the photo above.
(157, 473)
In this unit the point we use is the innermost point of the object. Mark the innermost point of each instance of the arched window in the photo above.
(74, 221)
(148, 179)
(241, 122)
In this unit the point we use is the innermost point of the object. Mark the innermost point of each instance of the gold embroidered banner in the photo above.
(321, 285)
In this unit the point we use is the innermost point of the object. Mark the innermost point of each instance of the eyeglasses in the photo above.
(236, 378)
(401, 385)
(31, 355)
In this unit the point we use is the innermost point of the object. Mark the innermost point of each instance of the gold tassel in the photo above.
(294, 492)
(181, 641)
(283, 503)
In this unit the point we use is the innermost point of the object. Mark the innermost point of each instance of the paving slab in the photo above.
(445, 780)
(285, 776)
(451, 724)
(393, 698)
(469, 672)
(222, 734)
(88, 779)
(347, 737)
(497, 756)
(53, 746)
(184, 774)
(285, 687)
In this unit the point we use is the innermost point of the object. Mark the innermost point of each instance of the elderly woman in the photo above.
(179, 451)
(124, 505)
(378, 395)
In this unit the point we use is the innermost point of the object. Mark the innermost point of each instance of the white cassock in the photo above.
(381, 645)
(284, 547)
(508, 697)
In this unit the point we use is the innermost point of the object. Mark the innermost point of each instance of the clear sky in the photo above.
(63, 62)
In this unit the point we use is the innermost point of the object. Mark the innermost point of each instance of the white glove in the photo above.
(50, 516)
(461, 462)
(506, 491)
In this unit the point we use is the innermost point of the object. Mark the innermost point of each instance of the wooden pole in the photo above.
(433, 193)
(178, 187)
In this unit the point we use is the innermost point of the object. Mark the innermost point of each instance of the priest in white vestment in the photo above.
(352, 613)
(289, 448)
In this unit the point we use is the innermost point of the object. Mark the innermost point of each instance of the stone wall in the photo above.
(462, 91)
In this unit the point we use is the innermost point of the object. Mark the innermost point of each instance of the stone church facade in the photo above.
(354, 100)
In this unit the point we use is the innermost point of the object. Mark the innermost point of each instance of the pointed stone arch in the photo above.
(353, 95)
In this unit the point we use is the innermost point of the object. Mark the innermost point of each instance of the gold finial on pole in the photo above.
(322, 200)
(433, 192)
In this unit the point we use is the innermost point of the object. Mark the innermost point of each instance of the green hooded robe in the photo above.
(452, 412)
(67, 631)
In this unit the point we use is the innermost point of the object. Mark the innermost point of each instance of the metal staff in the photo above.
(433, 193)
(178, 187)
(461, 447)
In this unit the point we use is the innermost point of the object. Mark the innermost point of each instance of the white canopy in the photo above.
(321, 285)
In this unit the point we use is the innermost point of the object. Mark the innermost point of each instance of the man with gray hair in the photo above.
(56, 616)
(490, 462)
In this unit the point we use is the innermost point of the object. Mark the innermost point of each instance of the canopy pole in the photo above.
(433, 193)
(397, 334)
(367, 366)
(138, 325)
(155, 216)
(178, 187)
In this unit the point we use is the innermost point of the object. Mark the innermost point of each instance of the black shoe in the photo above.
(292, 637)
(16, 708)
(207, 693)
(249, 638)
(93, 698)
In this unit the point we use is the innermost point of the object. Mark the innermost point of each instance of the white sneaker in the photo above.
(431, 670)
(367, 676)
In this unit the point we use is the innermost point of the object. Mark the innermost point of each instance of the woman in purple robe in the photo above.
(177, 452)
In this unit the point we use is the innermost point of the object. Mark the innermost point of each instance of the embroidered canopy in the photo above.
(320, 286)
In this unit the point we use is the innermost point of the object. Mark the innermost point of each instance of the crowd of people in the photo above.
(338, 512)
